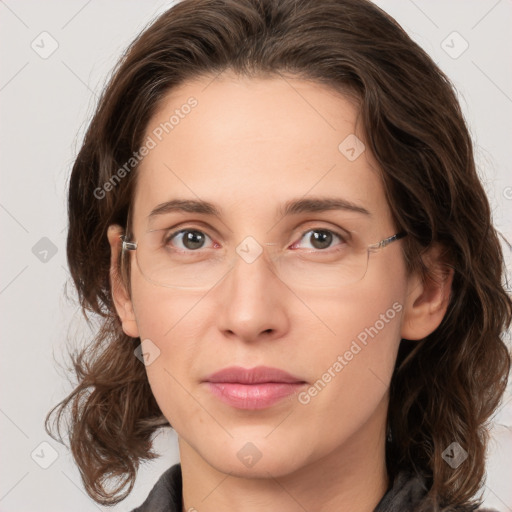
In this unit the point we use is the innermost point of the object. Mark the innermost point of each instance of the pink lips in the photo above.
(255, 388)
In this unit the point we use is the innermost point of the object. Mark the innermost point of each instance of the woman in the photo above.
(276, 214)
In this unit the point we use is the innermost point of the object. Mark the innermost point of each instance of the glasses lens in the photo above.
(314, 270)
(201, 268)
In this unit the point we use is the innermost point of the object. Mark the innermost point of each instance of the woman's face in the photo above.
(250, 147)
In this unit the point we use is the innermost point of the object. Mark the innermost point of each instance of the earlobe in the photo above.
(120, 295)
(427, 299)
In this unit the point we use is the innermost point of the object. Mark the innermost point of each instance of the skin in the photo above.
(248, 146)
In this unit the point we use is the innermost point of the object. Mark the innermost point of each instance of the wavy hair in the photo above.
(446, 386)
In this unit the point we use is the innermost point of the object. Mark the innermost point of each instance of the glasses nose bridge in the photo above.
(250, 250)
(258, 260)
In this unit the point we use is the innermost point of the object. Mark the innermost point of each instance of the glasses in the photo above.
(163, 262)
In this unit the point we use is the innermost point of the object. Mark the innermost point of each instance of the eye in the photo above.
(187, 239)
(320, 238)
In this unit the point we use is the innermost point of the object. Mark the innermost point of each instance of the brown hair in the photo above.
(446, 386)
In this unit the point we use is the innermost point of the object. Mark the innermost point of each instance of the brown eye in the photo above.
(320, 239)
(188, 239)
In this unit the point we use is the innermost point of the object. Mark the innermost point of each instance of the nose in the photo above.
(252, 299)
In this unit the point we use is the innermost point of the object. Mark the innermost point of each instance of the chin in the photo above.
(266, 467)
(254, 456)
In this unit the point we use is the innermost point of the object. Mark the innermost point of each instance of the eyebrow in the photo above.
(320, 204)
(185, 205)
(291, 207)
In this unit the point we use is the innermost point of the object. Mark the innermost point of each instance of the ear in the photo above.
(427, 300)
(120, 295)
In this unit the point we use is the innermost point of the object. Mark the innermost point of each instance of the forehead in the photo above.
(249, 145)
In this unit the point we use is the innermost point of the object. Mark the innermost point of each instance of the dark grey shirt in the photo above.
(406, 494)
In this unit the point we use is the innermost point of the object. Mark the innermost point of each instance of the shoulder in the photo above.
(166, 494)
(408, 491)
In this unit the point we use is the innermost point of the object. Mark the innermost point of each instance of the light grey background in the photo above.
(45, 104)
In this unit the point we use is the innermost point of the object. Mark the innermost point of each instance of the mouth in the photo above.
(255, 388)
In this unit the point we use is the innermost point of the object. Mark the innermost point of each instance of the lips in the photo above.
(255, 388)
(257, 375)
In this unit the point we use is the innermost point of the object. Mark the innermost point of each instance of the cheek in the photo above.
(359, 351)
(170, 326)
(368, 315)
(362, 323)
(160, 311)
